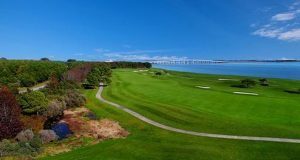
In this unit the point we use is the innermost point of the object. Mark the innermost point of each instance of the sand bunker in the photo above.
(203, 87)
(141, 71)
(246, 93)
(224, 79)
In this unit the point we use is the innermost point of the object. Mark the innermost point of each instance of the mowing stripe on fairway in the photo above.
(201, 134)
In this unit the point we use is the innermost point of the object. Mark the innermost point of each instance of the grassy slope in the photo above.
(147, 142)
(173, 99)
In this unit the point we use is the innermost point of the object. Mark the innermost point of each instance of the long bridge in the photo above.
(186, 62)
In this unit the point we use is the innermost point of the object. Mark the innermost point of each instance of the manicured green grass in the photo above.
(174, 100)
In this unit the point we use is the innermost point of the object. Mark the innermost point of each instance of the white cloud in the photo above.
(282, 26)
(281, 34)
(264, 32)
(284, 16)
(101, 50)
(292, 35)
(143, 57)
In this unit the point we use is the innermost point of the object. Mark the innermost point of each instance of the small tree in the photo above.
(53, 83)
(248, 83)
(45, 59)
(264, 82)
(33, 102)
(158, 73)
(10, 124)
(71, 60)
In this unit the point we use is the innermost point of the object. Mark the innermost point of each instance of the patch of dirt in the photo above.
(99, 129)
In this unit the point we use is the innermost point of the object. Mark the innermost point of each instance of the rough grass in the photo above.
(173, 99)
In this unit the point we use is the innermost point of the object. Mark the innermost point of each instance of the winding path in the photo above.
(201, 134)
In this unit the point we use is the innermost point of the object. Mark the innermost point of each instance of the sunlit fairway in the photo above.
(173, 99)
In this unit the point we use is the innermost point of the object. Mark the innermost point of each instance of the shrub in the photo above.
(62, 130)
(292, 91)
(36, 143)
(35, 122)
(264, 82)
(33, 102)
(158, 73)
(245, 83)
(25, 136)
(47, 136)
(91, 116)
(74, 99)
(55, 108)
(45, 59)
(88, 86)
(8, 148)
(10, 124)
(248, 83)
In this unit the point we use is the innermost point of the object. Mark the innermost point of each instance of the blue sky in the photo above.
(149, 29)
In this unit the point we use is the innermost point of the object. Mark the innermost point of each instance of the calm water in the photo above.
(267, 70)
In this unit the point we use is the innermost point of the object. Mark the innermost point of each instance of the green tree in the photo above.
(99, 74)
(45, 59)
(248, 83)
(264, 82)
(33, 102)
(26, 80)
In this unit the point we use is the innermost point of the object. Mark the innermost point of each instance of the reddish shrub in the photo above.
(36, 123)
(10, 124)
(78, 73)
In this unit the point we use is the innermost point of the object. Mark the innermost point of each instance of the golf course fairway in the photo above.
(174, 99)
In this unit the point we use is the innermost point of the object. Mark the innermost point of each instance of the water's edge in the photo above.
(266, 70)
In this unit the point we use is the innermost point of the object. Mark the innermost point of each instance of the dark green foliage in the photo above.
(71, 60)
(36, 144)
(26, 80)
(264, 82)
(130, 65)
(88, 86)
(99, 74)
(293, 91)
(28, 73)
(248, 82)
(245, 83)
(158, 73)
(45, 59)
(33, 102)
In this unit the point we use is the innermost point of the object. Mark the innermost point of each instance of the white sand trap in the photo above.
(246, 93)
(222, 79)
(143, 70)
(135, 71)
(203, 87)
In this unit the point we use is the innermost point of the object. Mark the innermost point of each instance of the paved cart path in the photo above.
(201, 134)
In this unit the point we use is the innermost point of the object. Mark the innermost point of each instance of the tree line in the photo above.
(40, 110)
